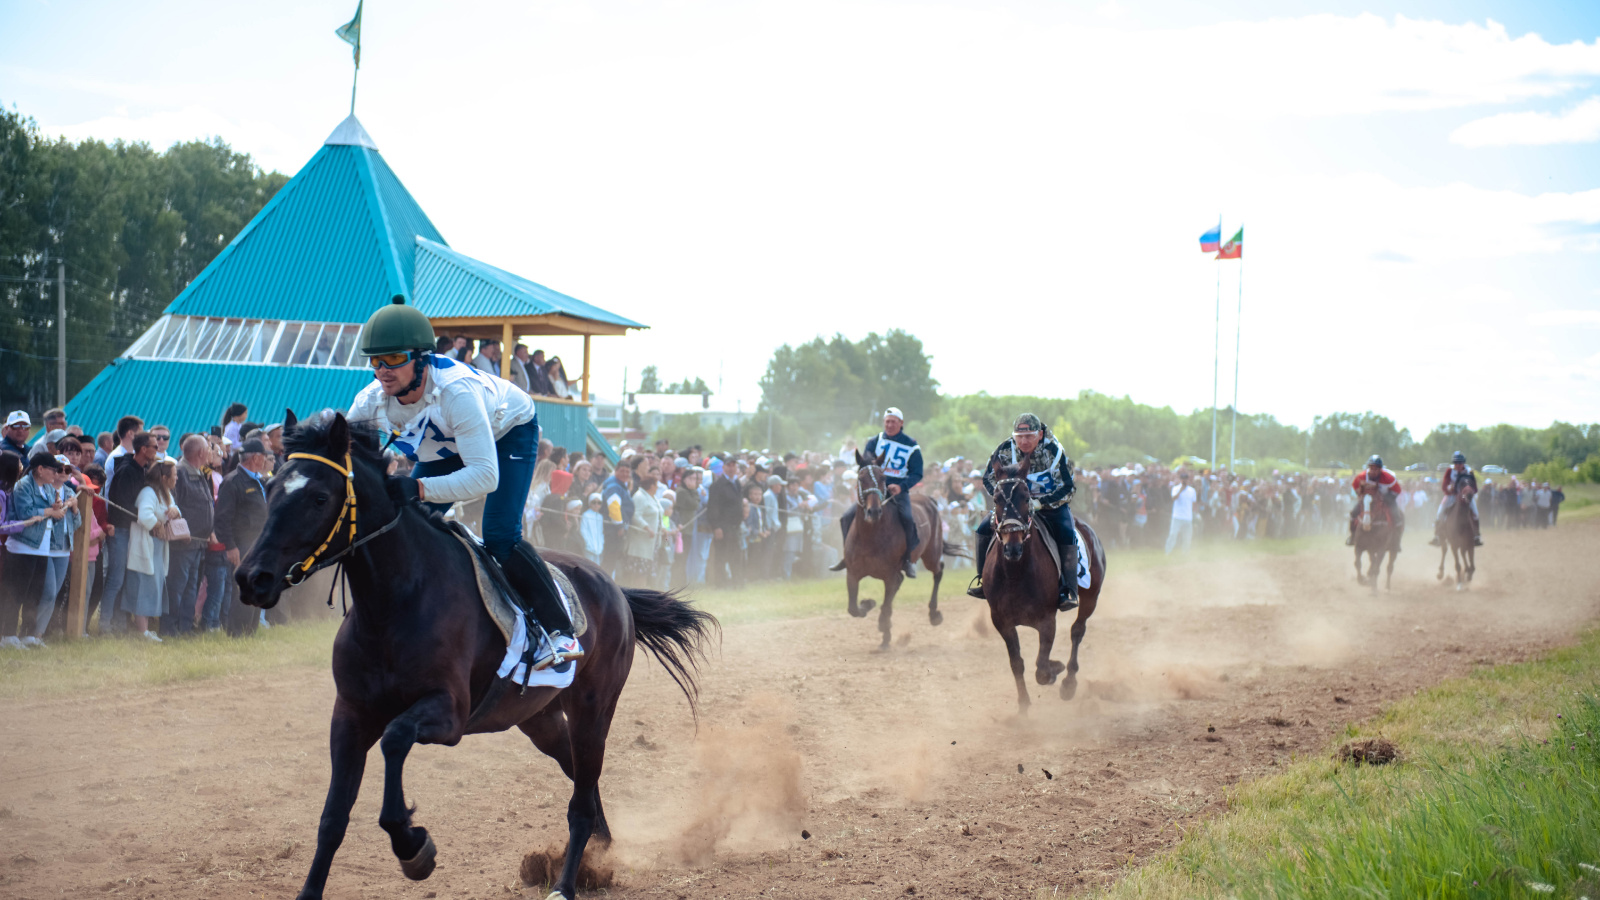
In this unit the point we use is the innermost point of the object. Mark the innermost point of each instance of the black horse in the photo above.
(417, 653)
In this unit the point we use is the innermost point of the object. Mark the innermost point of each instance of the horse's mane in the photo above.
(311, 436)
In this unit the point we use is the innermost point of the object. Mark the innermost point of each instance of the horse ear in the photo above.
(290, 420)
(339, 435)
(861, 460)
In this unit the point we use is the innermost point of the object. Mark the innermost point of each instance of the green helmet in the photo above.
(396, 328)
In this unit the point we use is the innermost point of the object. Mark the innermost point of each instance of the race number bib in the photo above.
(896, 458)
(1041, 483)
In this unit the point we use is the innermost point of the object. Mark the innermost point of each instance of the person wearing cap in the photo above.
(122, 497)
(36, 557)
(1049, 476)
(901, 459)
(724, 516)
(1459, 482)
(473, 436)
(272, 437)
(14, 437)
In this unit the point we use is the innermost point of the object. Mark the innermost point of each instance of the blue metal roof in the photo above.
(334, 244)
(191, 396)
(450, 283)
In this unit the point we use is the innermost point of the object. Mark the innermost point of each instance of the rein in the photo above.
(300, 571)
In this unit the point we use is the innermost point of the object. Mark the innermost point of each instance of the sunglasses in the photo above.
(389, 360)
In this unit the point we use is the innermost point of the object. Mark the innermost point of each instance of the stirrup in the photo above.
(975, 588)
(1067, 602)
(908, 568)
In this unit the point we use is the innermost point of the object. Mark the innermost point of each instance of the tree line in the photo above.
(817, 393)
(135, 225)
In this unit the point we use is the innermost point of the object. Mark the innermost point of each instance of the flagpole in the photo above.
(1238, 328)
(1216, 350)
(353, 79)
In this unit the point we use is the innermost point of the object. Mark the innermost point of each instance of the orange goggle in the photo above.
(389, 360)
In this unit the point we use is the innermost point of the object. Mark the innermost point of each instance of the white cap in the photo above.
(894, 411)
(18, 417)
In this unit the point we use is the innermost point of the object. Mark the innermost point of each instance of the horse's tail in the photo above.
(948, 550)
(675, 633)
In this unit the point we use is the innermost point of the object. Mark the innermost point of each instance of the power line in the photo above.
(51, 358)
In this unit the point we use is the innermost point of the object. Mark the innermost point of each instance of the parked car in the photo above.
(1418, 467)
(1494, 470)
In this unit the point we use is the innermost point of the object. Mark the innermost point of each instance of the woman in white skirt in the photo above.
(146, 593)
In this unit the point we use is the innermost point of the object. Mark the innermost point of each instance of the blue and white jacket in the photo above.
(899, 456)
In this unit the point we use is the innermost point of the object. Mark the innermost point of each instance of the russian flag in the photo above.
(1211, 241)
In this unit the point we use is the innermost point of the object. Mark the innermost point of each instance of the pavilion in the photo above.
(272, 322)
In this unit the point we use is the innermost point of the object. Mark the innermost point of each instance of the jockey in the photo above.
(1050, 485)
(1388, 490)
(1458, 479)
(472, 435)
(901, 460)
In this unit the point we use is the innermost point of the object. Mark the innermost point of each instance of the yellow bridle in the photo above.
(349, 511)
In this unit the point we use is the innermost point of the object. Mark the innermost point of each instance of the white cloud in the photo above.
(1562, 317)
(1578, 125)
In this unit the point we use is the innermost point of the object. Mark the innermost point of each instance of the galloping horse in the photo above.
(1377, 535)
(1456, 532)
(877, 543)
(415, 659)
(1021, 586)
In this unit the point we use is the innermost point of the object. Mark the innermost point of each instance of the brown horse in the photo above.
(1456, 531)
(415, 659)
(1021, 585)
(1378, 535)
(877, 543)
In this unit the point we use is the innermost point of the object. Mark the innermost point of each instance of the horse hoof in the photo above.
(1069, 688)
(557, 895)
(935, 617)
(868, 606)
(421, 866)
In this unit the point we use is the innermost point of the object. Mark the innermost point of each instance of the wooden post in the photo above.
(505, 350)
(78, 570)
(586, 369)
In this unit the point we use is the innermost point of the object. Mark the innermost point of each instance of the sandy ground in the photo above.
(909, 771)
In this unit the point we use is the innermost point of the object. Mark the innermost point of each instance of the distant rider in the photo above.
(1388, 491)
(472, 436)
(1459, 479)
(901, 459)
(1050, 485)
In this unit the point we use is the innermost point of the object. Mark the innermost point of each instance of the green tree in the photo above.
(134, 225)
(832, 386)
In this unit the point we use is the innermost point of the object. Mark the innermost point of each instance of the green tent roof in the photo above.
(334, 244)
(450, 283)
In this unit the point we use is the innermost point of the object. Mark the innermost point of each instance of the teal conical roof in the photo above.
(336, 243)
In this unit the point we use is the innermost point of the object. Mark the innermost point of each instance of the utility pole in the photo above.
(61, 332)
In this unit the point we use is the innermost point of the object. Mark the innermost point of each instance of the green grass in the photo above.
(98, 664)
(1496, 785)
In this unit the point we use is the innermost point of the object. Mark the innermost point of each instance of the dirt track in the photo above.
(903, 767)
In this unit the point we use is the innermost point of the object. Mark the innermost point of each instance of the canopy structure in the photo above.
(272, 322)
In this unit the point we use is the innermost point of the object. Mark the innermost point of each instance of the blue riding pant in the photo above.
(518, 453)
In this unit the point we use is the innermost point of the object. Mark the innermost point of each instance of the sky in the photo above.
(1020, 184)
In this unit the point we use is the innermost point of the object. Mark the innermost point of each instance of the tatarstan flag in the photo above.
(1234, 248)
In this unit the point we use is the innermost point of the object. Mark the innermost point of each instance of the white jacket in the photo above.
(145, 553)
(462, 412)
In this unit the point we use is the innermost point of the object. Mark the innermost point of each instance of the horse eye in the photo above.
(320, 498)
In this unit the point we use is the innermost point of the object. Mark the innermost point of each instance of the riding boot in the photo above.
(1351, 540)
(1069, 579)
(539, 600)
(981, 546)
(909, 523)
(1477, 534)
(1437, 541)
(844, 531)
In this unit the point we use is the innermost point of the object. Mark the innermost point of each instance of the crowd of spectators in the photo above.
(167, 525)
(529, 371)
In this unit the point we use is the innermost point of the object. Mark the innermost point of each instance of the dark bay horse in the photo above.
(1456, 531)
(1377, 535)
(1021, 586)
(417, 654)
(877, 543)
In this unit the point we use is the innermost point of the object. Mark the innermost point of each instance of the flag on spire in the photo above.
(350, 33)
(1211, 241)
(1234, 248)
